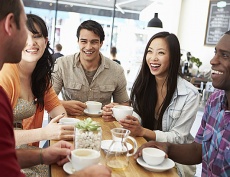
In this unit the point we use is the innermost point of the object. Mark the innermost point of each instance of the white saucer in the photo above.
(93, 115)
(165, 165)
(67, 167)
(106, 143)
(68, 121)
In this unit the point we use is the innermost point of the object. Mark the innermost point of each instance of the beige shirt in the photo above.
(108, 82)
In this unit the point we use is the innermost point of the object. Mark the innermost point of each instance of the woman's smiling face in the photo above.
(157, 57)
(35, 46)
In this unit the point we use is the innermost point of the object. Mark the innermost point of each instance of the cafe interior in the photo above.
(191, 20)
(128, 24)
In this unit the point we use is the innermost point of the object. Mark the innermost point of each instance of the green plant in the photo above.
(196, 61)
(88, 124)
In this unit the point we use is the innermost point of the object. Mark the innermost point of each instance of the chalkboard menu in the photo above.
(218, 22)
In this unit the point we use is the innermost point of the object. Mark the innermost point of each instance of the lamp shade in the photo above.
(155, 22)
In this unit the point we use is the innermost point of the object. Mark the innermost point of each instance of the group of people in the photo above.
(212, 142)
(164, 102)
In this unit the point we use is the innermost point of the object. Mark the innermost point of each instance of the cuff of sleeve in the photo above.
(160, 137)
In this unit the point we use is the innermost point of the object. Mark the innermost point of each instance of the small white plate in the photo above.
(165, 165)
(68, 121)
(106, 143)
(67, 167)
(93, 115)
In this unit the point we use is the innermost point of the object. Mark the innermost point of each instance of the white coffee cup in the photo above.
(81, 158)
(120, 111)
(68, 121)
(153, 156)
(93, 107)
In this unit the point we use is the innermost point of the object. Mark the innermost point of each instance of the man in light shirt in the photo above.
(88, 75)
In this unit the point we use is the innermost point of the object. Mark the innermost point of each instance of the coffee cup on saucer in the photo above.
(93, 107)
(81, 158)
(153, 156)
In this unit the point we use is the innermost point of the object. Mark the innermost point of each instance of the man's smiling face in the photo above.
(221, 64)
(89, 44)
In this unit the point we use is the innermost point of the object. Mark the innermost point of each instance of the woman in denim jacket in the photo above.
(166, 103)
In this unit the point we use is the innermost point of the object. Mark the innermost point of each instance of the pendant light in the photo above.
(155, 22)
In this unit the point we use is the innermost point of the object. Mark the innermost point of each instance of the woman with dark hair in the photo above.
(28, 86)
(166, 103)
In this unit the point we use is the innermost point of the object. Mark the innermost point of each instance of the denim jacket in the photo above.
(178, 118)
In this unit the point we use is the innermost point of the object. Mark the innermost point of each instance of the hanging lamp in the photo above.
(155, 22)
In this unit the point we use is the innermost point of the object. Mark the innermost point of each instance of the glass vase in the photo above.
(85, 139)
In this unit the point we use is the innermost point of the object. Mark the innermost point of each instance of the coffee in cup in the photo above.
(153, 156)
(81, 158)
(93, 107)
(120, 111)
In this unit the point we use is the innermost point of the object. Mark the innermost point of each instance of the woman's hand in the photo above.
(57, 131)
(107, 112)
(132, 123)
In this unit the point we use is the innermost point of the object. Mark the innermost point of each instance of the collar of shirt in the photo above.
(77, 63)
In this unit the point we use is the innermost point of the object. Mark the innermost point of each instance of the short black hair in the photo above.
(113, 51)
(228, 32)
(94, 26)
(58, 47)
(11, 6)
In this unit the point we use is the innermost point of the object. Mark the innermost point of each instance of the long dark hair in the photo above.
(41, 76)
(144, 91)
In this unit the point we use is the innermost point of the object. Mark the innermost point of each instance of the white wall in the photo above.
(187, 19)
(68, 37)
(191, 30)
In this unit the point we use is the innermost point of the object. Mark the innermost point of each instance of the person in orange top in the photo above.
(28, 86)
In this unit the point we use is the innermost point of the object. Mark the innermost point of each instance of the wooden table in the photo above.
(133, 170)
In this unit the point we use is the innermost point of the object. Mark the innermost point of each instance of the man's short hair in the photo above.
(113, 51)
(93, 26)
(58, 47)
(228, 32)
(11, 6)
